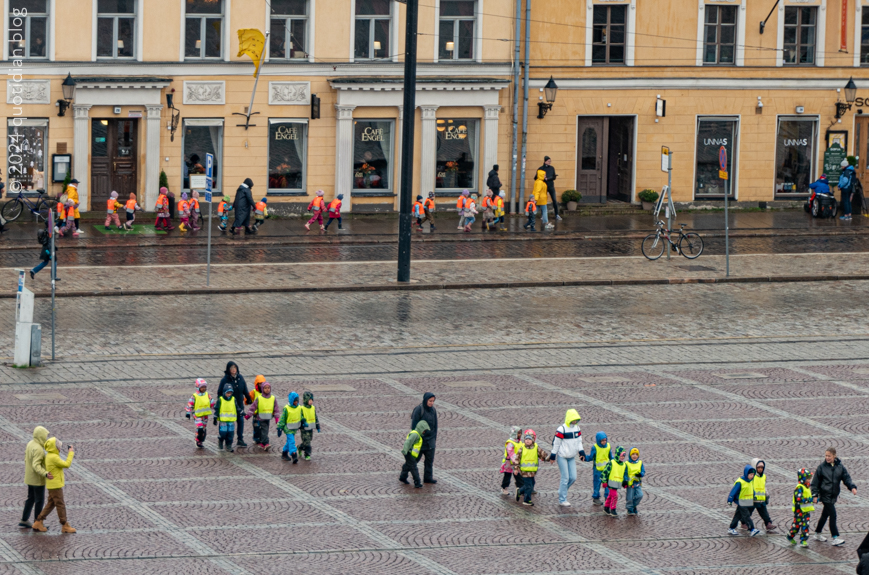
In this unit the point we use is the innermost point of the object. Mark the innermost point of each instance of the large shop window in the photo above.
(800, 30)
(719, 45)
(712, 134)
(289, 27)
(288, 142)
(202, 136)
(372, 156)
(203, 36)
(372, 29)
(28, 35)
(456, 30)
(795, 155)
(456, 154)
(116, 23)
(608, 35)
(26, 150)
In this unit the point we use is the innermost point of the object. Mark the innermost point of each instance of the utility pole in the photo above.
(514, 199)
(405, 223)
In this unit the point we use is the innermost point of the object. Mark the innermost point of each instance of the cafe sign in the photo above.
(370, 134)
(287, 132)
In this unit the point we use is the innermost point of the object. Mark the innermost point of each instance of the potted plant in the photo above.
(570, 198)
(648, 197)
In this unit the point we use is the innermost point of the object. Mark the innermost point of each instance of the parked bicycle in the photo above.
(14, 207)
(689, 244)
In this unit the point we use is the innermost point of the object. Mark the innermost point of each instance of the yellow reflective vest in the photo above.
(226, 409)
(807, 507)
(417, 445)
(617, 474)
(634, 471)
(746, 493)
(759, 483)
(516, 445)
(601, 456)
(294, 417)
(265, 407)
(202, 405)
(310, 414)
(528, 459)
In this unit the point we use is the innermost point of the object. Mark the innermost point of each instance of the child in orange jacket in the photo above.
(112, 206)
(317, 206)
(131, 207)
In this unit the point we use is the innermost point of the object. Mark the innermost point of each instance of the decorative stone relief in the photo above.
(28, 92)
(204, 92)
(289, 93)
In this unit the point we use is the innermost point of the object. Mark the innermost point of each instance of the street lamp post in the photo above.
(850, 98)
(68, 88)
(405, 223)
(549, 91)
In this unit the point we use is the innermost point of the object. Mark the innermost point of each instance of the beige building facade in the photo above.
(632, 76)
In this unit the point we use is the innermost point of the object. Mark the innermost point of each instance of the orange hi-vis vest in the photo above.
(417, 208)
(318, 203)
(61, 210)
(260, 208)
(112, 206)
(429, 204)
(221, 208)
(531, 206)
(162, 202)
(499, 202)
(334, 205)
(183, 206)
(131, 205)
(462, 203)
(194, 204)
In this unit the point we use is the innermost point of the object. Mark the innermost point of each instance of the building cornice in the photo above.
(740, 83)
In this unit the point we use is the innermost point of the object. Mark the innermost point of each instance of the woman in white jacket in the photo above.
(566, 445)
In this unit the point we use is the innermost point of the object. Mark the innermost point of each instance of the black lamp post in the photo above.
(850, 97)
(549, 92)
(68, 87)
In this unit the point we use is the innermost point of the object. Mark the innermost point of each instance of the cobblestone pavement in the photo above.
(701, 378)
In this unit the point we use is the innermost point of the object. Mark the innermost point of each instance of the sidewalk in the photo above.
(384, 229)
(438, 275)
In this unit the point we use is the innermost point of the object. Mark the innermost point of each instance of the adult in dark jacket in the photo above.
(494, 182)
(426, 411)
(825, 487)
(550, 182)
(241, 207)
(232, 377)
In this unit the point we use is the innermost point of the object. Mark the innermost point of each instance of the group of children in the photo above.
(318, 207)
(224, 410)
(466, 205)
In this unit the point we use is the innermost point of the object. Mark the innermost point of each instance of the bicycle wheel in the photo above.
(691, 245)
(653, 246)
(12, 209)
(42, 208)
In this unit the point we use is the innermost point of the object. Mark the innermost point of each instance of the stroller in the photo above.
(821, 203)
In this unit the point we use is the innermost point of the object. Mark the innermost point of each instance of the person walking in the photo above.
(494, 182)
(242, 206)
(847, 183)
(566, 446)
(542, 199)
(550, 182)
(233, 378)
(72, 194)
(35, 475)
(427, 412)
(825, 487)
(55, 465)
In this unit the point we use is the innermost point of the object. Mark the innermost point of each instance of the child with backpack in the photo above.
(223, 209)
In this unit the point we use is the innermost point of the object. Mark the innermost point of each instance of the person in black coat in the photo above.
(494, 182)
(241, 207)
(232, 377)
(426, 411)
(826, 487)
(44, 252)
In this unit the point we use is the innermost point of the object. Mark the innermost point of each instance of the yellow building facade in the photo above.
(632, 76)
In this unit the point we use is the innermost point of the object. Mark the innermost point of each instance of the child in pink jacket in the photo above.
(507, 469)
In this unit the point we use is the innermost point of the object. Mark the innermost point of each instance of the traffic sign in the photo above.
(722, 174)
(209, 171)
(208, 196)
(722, 159)
(665, 159)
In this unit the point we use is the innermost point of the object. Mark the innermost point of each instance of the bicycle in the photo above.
(14, 207)
(689, 245)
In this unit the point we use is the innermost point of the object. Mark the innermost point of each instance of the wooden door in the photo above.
(101, 165)
(124, 157)
(861, 150)
(625, 160)
(113, 160)
(589, 160)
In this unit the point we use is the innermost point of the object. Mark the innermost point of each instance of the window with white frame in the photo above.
(287, 151)
(28, 29)
(203, 33)
(608, 35)
(456, 29)
(719, 40)
(116, 25)
(864, 38)
(795, 154)
(800, 33)
(289, 29)
(26, 141)
(202, 136)
(373, 21)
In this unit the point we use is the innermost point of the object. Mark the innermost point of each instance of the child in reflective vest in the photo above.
(470, 212)
(162, 209)
(802, 506)
(200, 406)
(760, 497)
(131, 207)
(743, 494)
(260, 213)
(528, 457)
(317, 205)
(418, 212)
(507, 470)
(226, 414)
(601, 453)
(291, 421)
(428, 206)
(461, 204)
(184, 212)
(531, 211)
(69, 219)
(264, 409)
(636, 472)
(223, 209)
(499, 210)
(112, 206)
(488, 210)
(615, 476)
(309, 416)
(410, 450)
(335, 211)
(257, 390)
(195, 213)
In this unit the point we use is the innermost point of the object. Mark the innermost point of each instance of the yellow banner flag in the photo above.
(252, 42)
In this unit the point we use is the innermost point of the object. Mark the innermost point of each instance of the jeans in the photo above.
(633, 496)
(35, 501)
(742, 515)
(567, 467)
(829, 511)
(544, 214)
(528, 488)
(330, 222)
(39, 267)
(427, 469)
(846, 203)
(596, 493)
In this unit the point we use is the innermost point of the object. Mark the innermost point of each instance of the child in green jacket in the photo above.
(410, 450)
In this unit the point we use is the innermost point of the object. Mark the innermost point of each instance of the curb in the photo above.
(452, 286)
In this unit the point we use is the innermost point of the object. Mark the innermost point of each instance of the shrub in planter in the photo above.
(570, 198)
(648, 197)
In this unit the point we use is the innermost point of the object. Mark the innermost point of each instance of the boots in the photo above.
(285, 456)
(220, 443)
(67, 529)
(38, 526)
(295, 457)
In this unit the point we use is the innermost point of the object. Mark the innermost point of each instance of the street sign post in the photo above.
(53, 275)
(209, 174)
(722, 173)
(669, 208)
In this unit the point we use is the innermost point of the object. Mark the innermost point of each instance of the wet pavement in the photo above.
(701, 378)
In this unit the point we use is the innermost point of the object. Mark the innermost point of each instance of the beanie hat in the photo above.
(845, 163)
(265, 200)
(530, 433)
(226, 198)
(546, 158)
(227, 389)
(340, 196)
(265, 383)
(515, 431)
(320, 192)
(803, 474)
(502, 194)
(634, 450)
(200, 383)
(195, 194)
(823, 177)
(307, 395)
(114, 195)
(183, 195)
(465, 192)
(419, 197)
(248, 182)
(164, 191)
(431, 194)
